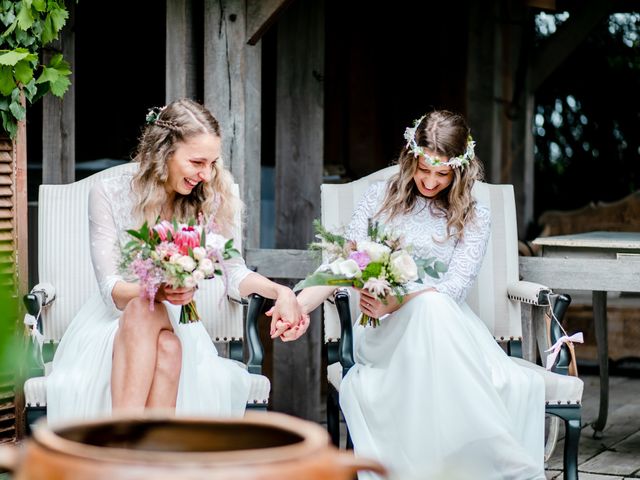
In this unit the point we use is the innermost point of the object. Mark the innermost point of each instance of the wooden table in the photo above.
(595, 261)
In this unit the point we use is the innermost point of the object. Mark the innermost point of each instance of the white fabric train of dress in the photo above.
(79, 384)
(432, 395)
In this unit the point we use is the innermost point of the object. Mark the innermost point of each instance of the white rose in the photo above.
(175, 258)
(376, 251)
(403, 268)
(187, 263)
(198, 276)
(349, 268)
(199, 253)
(216, 241)
(206, 266)
(189, 282)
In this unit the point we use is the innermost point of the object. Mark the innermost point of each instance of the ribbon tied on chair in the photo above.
(555, 348)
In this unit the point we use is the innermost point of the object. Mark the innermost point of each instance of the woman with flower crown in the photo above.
(475, 414)
(117, 354)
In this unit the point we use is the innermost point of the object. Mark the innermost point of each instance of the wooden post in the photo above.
(483, 87)
(299, 162)
(58, 115)
(232, 77)
(181, 63)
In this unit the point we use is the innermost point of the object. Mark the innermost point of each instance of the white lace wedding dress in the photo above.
(79, 386)
(432, 395)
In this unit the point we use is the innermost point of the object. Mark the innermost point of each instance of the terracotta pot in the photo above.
(260, 446)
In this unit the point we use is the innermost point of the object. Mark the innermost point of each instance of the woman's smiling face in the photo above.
(192, 163)
(430, 179)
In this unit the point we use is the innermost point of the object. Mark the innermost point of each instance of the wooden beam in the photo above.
(58, 115)
(261, 14)
(181, 64)
(569, 35)
(299, 163)
(282, 263)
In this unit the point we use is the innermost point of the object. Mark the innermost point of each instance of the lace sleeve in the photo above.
(467, 257)
(366, 209)
(236, 272)
(105, 248)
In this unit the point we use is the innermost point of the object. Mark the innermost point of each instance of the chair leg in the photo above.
(572, 423)
(333, 416)
(33, 414)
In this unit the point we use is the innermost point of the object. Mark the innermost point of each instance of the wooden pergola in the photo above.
(503, 71)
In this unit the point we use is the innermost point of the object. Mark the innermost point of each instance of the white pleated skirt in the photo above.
(433, 396)
(79, 386)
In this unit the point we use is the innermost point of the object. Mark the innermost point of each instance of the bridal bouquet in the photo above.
(178, 254)
(381, 264)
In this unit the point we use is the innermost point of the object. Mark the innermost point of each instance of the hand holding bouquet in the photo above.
(176, 254)
(381, 264)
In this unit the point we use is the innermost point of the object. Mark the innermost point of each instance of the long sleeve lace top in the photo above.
(111, 205)
(426, 231)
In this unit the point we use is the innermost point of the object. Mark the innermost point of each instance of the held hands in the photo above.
(176, 296)
(281, 325)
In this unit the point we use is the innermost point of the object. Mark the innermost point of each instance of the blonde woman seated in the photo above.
(432, 395)
(117, 354)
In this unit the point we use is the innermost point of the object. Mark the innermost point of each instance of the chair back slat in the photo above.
(488, 296)
(64, 260)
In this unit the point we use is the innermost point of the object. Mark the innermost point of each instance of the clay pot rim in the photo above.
(314, 440)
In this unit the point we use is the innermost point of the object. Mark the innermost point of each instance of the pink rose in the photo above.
(361, 258)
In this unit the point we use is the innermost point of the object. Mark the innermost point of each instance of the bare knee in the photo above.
(138, 318)
(169, 360)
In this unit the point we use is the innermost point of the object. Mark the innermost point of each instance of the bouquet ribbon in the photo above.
(555, 348)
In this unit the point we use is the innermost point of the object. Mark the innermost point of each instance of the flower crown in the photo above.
(153, 114)
(460, 161)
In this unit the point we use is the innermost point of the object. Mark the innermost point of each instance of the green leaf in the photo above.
(372, 270)
(19, 112)
(59, 17)
(9, 124)
(40, 5)
(7, 82)
(49, 33)
(13, 56)
(23, 71)
(440, 266)
(30, 90)
(25, 18)
(4, 104)
(60, 86)
(323, 278)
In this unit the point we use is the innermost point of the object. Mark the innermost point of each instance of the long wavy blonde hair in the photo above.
(444, 133)
(177, 122)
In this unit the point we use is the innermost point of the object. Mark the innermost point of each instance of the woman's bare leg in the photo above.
(164, 388)
(135, 354)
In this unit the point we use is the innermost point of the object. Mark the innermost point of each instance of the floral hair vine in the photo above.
(460, 161)
(153, 114)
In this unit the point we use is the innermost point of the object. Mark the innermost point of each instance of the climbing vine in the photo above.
(29, 25)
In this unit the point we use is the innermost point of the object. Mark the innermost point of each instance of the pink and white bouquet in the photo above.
(381, 264)
(177, 254)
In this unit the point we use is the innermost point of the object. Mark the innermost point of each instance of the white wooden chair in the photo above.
(496, 298)
(67, 279)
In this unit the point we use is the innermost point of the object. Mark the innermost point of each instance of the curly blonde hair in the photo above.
(175, 123)
(445, 134)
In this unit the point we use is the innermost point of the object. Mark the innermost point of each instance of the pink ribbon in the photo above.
(555, 349)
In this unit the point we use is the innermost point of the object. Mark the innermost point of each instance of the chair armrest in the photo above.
(257, 305)
(529, 292)
(345, 348)
(40, 296)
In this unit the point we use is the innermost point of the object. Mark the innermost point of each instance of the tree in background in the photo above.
(587, 118)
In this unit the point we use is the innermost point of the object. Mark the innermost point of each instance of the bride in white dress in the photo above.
(432, 395)
(117, 354)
